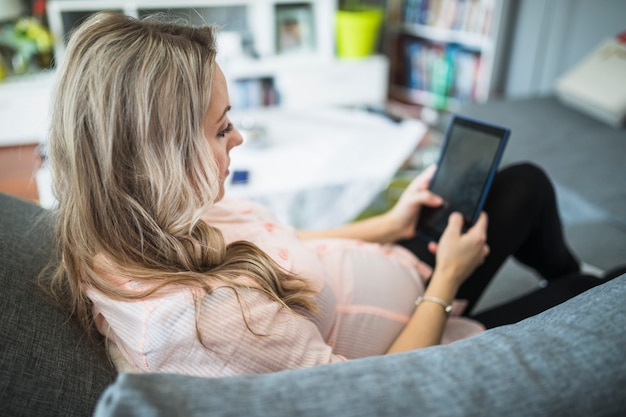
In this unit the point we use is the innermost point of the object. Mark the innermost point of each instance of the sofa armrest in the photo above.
(47, 366)
(570, 360)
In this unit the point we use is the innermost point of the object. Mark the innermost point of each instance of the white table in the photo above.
(319, 168)
(24, 107)
(315, 168)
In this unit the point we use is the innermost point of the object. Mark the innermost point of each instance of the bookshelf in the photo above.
(444, 52)
(260, 70)
(265, 47)
(253, 34)
(259, 23)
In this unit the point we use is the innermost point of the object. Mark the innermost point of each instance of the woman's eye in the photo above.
(227, 130)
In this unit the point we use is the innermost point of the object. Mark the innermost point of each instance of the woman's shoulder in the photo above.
(231, 209)
(250, 221)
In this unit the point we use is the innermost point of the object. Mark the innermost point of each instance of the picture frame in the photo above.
(295, 28)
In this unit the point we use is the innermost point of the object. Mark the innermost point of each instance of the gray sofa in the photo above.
(568, 361)
(47, 367)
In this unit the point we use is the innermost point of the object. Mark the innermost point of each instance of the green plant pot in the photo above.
(357, 31)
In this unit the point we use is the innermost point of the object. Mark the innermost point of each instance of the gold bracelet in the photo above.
(446, 307)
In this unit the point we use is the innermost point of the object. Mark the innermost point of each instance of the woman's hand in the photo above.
(396, 224)
(402, 218)
(458, 254)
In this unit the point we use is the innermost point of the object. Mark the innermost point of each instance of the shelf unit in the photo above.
(444, 52)
(249, 54)
(266, 44)
(254, 20)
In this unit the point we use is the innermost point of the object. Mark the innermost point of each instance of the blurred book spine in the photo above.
(443, 71)
(471, 16)
(255, 92)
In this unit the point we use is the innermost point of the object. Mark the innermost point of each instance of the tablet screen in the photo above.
(468, 160)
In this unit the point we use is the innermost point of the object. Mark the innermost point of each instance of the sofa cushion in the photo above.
(47, 366)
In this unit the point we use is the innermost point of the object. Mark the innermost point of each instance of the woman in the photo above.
(181, 279)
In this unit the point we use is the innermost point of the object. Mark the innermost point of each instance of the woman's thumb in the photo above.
(455, 222)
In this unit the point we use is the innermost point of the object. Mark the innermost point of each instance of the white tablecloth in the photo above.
(319, 168)
(24, 106)
(314, 169)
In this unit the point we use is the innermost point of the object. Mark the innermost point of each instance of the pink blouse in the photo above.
(367, 294)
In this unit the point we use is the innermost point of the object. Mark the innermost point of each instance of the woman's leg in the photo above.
(555, 292)
(523, 222)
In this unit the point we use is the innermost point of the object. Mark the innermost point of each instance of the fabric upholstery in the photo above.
(47, 365)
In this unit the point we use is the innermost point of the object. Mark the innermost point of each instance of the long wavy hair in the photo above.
(133, 172)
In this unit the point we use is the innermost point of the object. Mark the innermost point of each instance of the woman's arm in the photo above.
(380, 229)
(398, 223)
(245, 332)
(457, 256)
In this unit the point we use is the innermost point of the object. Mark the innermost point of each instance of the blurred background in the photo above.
(479, 49)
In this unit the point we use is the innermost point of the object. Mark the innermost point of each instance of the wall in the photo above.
(550, 36)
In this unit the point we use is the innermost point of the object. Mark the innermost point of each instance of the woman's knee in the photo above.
(519, 188)
(525, 177)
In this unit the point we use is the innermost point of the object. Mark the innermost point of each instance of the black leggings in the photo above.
(524, 223)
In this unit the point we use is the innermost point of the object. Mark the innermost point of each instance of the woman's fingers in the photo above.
(432, 247)
(480, 231)
(481, 224)
(422, 181)
(462, 252)
(455, 224)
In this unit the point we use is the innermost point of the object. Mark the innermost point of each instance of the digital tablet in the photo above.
(468, 160)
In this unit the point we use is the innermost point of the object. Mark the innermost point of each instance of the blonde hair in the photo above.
(133, 172)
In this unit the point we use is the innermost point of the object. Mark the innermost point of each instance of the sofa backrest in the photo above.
(48, 367)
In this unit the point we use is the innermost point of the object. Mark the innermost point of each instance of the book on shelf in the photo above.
(472, 16)
(444, 71)
(442, 68)
(255, 92)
